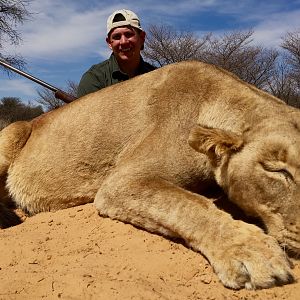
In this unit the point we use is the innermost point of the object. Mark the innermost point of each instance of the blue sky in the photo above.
(64, 38)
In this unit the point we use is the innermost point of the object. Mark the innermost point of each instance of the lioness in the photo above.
(127, 148)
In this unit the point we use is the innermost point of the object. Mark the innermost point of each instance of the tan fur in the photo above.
(127, 149)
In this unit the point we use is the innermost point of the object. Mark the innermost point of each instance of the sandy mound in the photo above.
(75, 254)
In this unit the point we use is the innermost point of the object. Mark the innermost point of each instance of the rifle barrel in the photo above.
(59, 94)
(41, 82)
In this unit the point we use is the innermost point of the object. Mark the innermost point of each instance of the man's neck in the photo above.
(130, 68)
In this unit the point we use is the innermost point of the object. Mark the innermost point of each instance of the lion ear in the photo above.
(214, 142)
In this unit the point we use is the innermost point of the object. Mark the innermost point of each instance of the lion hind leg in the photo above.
(12, 140)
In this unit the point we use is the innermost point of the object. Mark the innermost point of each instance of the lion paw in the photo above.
(254, 262)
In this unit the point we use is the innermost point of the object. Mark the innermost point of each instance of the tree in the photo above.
(234, 52)
(13, 109)
(291, 45)
(165, 45)
(9, 107)
(48, 100)
(12, 14)
(280, 84)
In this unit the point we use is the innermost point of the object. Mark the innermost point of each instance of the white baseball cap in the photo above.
(123, 17)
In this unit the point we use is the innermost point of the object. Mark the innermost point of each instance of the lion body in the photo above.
(126, 148)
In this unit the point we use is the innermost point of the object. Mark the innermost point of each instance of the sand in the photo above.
(75, 254)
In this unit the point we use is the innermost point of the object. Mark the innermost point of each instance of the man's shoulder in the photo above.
(100, 67)
(146, 67)
(149, 66)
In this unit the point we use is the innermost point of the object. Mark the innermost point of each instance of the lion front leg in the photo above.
(240, 253)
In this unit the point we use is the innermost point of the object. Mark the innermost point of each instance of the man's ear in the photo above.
(108, 42)
(214, 142)
(142, 37)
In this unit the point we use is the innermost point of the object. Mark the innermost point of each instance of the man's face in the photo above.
(126, 43)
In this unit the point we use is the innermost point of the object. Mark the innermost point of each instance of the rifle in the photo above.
(59, 94)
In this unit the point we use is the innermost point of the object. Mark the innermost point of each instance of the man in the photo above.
(125, 37)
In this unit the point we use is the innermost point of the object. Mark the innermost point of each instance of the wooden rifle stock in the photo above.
(59, 94)
(67, 98)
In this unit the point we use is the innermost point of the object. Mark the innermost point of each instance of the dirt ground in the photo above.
(75, 254)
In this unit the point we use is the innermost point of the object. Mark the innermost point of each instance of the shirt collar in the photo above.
(116, 71)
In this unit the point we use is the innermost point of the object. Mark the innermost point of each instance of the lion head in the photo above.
(260, 172)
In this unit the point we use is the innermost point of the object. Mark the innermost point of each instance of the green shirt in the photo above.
(105, 74)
